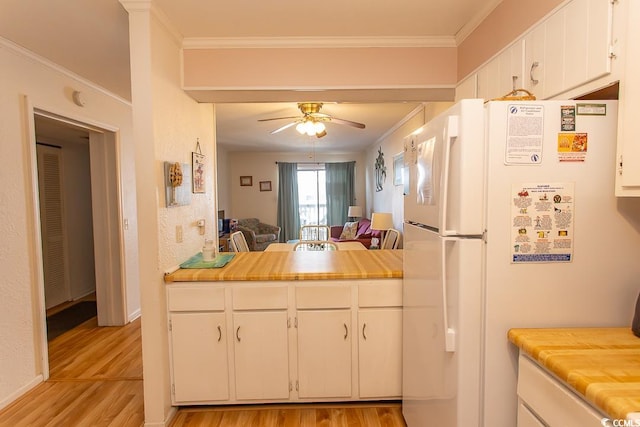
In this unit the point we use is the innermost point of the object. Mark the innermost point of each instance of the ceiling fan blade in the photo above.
(347, 122)
(280, 129)
(278, 118)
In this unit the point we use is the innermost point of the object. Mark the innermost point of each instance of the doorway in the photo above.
(79, 209)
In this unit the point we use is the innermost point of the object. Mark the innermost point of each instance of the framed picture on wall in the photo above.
(265, 185)
(197, 171)
(246, 181)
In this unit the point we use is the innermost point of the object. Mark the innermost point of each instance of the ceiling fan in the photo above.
(312, 120)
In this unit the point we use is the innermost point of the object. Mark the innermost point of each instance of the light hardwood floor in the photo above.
(96, 380)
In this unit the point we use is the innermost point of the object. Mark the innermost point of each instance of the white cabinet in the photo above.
(324, 353)
(628, 154)
(275, 341)
(261, 355)
(543, 400)
(199, 357)
(569, 49)
(198, 343)
(380, 340)
(380, 352)
(261, 341)
(502, 74)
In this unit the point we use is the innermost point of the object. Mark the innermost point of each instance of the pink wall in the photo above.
(507, 22)
(279, 68)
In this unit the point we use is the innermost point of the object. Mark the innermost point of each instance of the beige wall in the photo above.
(391, 198)
(29, 82)
(168, 124)
(247, 202)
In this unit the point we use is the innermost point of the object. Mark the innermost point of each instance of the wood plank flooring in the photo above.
(96, 380)
(301, 415)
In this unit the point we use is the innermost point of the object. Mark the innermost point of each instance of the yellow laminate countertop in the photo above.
(601, 364)
(320, 265)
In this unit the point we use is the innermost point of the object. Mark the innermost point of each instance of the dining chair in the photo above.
(315, 232)
(391, 239)
(315, 245)
(238, 242)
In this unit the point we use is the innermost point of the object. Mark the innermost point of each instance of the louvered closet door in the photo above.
(54, 251)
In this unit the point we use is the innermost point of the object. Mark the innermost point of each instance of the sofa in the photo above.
(362, 233)
(258, 234)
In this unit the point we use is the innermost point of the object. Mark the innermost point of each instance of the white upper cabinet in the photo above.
(628, 157)
(570, 48)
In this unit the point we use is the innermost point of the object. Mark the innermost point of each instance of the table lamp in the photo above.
(354, 212)
(381, 221)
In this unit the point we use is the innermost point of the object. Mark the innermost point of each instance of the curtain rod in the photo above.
(313, 163)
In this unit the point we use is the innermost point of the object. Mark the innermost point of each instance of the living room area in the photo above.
(248, 182)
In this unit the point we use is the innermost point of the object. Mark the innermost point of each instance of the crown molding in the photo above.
(314, 42)
(475, 22)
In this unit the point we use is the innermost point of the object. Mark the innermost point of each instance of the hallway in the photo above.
(95, 380)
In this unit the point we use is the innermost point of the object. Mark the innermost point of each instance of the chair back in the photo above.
(315, 232)
(391, 239)
(238, 242)
(315, 245)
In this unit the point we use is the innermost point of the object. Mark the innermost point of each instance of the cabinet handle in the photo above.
(534, 65)
(364, 326)
(219, 333)
(346, 331)
(237, 333)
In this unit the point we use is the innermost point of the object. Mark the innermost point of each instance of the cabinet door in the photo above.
(199, 357)
(324, 353)
(380, 352)
(261, 355)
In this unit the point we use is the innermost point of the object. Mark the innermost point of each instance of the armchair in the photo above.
(258, 234)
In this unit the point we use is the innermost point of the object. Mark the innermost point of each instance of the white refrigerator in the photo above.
(510, 221)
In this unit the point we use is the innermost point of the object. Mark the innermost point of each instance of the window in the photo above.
(312, 197)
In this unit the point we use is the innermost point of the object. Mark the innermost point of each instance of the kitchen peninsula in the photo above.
(287, 326)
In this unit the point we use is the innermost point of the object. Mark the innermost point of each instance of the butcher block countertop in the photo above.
(312, 265)
(601, 364)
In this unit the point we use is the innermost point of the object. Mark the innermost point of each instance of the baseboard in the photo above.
(170, 415)
(133, 316)
(21, 391)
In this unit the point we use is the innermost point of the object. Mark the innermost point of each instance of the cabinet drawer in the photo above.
(553, 402)
(195, 298)
(260, 298)
(323, 296)
(383, 293)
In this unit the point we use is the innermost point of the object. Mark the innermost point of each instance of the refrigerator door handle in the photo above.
(449, 333)
(452, 133)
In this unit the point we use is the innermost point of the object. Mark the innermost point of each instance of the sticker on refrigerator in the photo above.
(542, 223)
(572, 147)
(525, 126)
(568, 118)
(424, 178)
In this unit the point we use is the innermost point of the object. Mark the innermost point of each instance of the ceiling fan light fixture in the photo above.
(300, 128)
(310, 127)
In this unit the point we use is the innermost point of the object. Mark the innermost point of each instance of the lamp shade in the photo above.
(354, 211)
(381, 221)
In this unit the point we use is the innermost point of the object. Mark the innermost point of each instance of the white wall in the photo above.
(391, 198)
(49, 88)
(222, 172)
(168, 123)
(250, 202)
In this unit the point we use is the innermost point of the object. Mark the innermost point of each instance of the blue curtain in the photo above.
(288, 215)
(340, 181)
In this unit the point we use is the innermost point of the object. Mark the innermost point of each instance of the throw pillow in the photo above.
(349, 231)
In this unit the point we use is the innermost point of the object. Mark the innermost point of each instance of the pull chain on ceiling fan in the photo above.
(312, 121)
